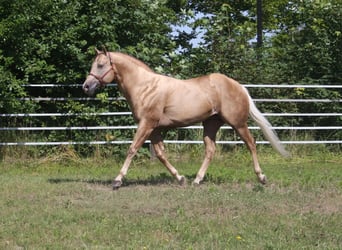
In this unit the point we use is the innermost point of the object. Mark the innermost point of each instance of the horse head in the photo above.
(101, 72)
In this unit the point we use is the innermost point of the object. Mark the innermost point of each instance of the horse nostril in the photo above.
(86, 88)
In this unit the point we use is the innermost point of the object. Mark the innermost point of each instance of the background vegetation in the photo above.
(52, 41)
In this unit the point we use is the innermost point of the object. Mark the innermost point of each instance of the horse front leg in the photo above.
(143, 132)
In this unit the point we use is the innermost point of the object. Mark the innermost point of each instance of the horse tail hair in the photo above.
(266, 127)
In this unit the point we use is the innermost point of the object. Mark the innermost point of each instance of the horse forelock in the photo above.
(101, 58)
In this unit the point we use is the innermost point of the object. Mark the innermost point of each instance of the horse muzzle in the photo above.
(89, 87)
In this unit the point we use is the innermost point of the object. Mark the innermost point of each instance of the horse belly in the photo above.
(184, 112)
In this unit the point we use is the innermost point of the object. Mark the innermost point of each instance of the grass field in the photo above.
(66, 202)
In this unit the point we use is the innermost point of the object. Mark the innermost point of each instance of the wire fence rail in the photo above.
(335, 127)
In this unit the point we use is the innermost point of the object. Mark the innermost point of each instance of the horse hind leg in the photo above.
(246, 136)
(158, 145)
(210, 126)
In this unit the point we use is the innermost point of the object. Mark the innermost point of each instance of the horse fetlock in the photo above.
(196, 182)
(198, 179)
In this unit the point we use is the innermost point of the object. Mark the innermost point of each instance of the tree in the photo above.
(52, 41)
(302, 44)
(310, 33)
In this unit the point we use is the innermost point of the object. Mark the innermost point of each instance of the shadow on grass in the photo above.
(160, 179)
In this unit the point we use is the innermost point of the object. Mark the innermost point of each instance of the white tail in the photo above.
(266, 127)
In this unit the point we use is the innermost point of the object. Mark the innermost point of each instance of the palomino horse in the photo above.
(160, 102)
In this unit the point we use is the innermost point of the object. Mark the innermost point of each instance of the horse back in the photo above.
(228, 97)
(222, 86)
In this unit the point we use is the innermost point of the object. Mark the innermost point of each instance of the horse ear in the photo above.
(104, 50)
(97, 51)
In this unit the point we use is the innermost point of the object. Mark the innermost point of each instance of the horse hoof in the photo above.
(263, 179)
(117, 185)
(195, 183)
(182, 181)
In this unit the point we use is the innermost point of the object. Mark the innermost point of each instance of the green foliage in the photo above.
(310, 34)
(52, 42)
(302, 46)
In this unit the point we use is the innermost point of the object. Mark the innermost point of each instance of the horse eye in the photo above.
(100, 66)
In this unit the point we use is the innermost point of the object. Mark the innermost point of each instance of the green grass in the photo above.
(65, 202)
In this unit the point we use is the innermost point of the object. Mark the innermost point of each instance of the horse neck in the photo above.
(130, 61)
(129, 72)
